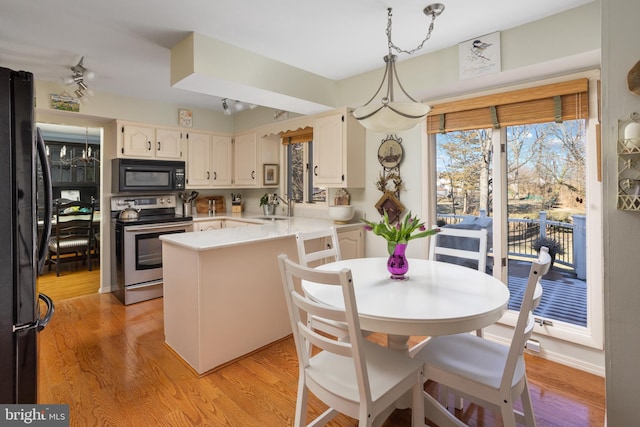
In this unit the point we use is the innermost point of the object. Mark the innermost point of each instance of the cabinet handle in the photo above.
(149, 149)
(315, 170)
(158, 145)
(208, 175)
(215, 176)
(253, 174)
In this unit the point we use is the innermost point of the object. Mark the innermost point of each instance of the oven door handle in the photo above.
(154, 227)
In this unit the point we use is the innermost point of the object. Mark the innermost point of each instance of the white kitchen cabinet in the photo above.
(215, 224)
(208, 160)
(350, 239)
(338, 151)
(198, 160)
(148, 142)
(351, 243)
(245, 160)
(168, 144)
(137, 141)
(270, 155)
(230, 223)
(221, 161)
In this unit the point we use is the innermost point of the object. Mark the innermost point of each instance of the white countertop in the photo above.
(262, 230)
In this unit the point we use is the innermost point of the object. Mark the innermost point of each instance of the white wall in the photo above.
(620, 35)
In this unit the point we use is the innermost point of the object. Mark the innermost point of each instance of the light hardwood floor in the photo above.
(74, 280)
(109, 363)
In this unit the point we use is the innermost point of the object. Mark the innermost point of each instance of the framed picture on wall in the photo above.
(270, 174)
(185, 118)
(480, 55)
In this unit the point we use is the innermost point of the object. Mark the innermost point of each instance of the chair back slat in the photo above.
(453, 245)
(312, 250)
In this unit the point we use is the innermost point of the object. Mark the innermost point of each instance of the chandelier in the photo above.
(386, 114)
(87, 155)
(79, 77)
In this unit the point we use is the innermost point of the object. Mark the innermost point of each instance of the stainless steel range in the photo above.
(136, 267)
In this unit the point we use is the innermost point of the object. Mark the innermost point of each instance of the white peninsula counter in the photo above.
(223, 294)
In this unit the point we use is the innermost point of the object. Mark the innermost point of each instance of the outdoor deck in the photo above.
(564, 297)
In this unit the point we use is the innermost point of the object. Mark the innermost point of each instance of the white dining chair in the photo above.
(357, 377)
(313, 250)
(456, 245)
(489, 374)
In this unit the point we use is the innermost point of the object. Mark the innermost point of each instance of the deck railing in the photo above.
(522, 233)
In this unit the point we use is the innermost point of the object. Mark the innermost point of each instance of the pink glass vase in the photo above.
(397, 263)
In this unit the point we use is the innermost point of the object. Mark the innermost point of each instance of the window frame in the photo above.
(593, 334)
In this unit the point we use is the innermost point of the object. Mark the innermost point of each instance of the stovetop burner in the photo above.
(155, 219)
(151, 209)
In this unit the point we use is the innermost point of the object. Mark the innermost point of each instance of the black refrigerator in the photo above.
(22, 242)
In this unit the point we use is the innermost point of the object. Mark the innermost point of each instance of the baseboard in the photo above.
(563, 359)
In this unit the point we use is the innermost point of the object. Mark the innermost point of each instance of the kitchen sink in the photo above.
(272, 218)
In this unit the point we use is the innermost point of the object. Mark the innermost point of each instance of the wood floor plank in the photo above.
(110, 364)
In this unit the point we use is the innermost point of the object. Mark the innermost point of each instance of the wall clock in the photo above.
(390, 153)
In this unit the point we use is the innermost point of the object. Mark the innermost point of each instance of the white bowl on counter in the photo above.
(341, 214)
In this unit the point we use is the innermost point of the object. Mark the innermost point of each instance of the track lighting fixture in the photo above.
(225, 107)
(79, 77)
(237, 106)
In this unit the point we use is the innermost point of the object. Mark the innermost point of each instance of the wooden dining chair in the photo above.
(72, 235)
(357, 377)
(489, 374)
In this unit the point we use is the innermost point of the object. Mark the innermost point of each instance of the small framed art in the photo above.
(270, 174)
(480, 55)
(185, 118)
(65, 102)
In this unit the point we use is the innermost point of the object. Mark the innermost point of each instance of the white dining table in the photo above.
(438, 298)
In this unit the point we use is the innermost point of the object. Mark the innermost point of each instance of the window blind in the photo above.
(297, 136)
(555, 102)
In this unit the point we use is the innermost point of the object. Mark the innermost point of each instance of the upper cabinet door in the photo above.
(245, 160)
(221, 161)
(328, 151)
(138, 141)
(168, 144)
(198, 160)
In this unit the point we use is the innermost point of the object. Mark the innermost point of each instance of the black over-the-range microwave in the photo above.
(134, 175)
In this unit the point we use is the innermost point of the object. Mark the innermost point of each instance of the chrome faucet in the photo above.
(288, 203)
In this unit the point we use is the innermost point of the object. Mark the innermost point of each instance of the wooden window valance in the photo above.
(297, 136)
(555, 102)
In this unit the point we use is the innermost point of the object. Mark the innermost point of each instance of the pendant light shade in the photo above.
(385, 114)
(393, 116)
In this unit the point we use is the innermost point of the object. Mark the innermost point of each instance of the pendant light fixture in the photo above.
(386, 114)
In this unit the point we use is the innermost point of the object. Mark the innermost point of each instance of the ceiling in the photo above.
(127, 43)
